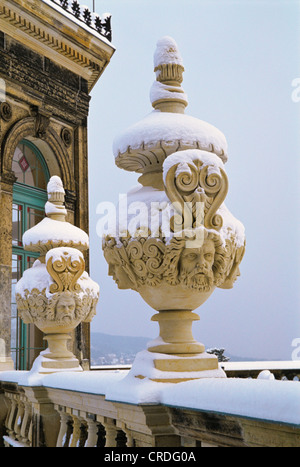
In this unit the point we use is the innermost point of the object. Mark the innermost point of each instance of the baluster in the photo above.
(86, 15)
(92, 438)
(64, 4)
(29, 436)
(11, 417)
(130, 440)
(76, 432)
(64, 418)
(26, 423)
(110, 435)
(76, 8)
(19, 419)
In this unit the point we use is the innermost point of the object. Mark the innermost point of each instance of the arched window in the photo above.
(29, 166)
(29, 198)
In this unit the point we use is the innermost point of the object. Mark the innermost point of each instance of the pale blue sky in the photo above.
(240, 59)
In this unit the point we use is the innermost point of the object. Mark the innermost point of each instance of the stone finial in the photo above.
(54, 231)
(144, 146)
(166, 93)
(55, 208)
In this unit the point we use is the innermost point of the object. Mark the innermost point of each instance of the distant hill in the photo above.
(106, 344)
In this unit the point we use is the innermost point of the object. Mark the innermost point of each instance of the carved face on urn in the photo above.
(116, 270)
(195, 267)
(65, 308)
(200, 268)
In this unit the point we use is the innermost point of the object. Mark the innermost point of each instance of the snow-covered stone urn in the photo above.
(56, 294)
(175, 240)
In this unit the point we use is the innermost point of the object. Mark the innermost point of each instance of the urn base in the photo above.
(163, 368)
(175, 356)
(56, 358)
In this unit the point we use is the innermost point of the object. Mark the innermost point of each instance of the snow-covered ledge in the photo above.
(115, 398)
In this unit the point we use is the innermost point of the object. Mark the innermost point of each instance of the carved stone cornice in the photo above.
(53, 34)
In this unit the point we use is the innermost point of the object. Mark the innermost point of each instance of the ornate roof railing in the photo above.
(102, 25)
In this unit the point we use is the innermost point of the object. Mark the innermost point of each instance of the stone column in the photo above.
(6, 197)
(82, 342)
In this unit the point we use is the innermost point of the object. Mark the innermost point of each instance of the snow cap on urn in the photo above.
(166, 53)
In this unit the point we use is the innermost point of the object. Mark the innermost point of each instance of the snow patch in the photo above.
(184, 158)
(51, 208)
(55, 231)
(166, 52)
(56, 253)
(55, 185)
(36, 277)
(162, 91)
(270, 400)
(171, 128)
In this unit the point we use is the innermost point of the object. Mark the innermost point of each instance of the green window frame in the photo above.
(28, 210)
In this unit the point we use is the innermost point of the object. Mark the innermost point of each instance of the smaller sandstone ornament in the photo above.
(56, 294)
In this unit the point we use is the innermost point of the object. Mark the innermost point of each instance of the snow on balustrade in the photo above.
(261, 399)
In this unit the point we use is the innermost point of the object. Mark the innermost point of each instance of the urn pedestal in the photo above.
(178, 352)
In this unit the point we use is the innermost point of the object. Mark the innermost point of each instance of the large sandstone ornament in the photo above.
(185, 243)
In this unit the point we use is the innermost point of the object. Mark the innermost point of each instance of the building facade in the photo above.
(52, 53)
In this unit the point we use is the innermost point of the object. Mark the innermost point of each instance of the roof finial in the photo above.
(166, 93)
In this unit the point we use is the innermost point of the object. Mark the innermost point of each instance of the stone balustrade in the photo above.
(82, 410)
(281, 370)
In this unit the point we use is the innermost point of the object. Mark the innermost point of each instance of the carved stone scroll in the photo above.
(193, 184)
(65, 272)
